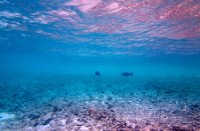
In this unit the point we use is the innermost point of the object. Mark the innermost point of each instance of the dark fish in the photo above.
(97, 73)
(125, 74)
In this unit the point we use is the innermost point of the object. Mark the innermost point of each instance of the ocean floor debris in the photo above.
(120, 107)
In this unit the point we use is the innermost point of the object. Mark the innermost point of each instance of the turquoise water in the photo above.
(101, 65)
(166, 65)
(45, 92)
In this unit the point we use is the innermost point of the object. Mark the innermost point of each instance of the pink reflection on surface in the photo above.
(128, 20)
(154, 18)
(83, 5)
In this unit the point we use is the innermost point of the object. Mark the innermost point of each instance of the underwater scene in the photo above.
(99, 65)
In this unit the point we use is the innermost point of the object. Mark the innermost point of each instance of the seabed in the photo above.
(100, 103)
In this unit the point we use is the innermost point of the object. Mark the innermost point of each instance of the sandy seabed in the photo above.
(104, 103)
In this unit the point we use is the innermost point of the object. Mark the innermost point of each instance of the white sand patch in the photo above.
(6, 116)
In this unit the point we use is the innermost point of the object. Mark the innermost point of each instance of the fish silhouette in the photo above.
(125, 74)
(97, 73)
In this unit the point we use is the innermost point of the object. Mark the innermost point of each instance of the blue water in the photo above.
(50, 51)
